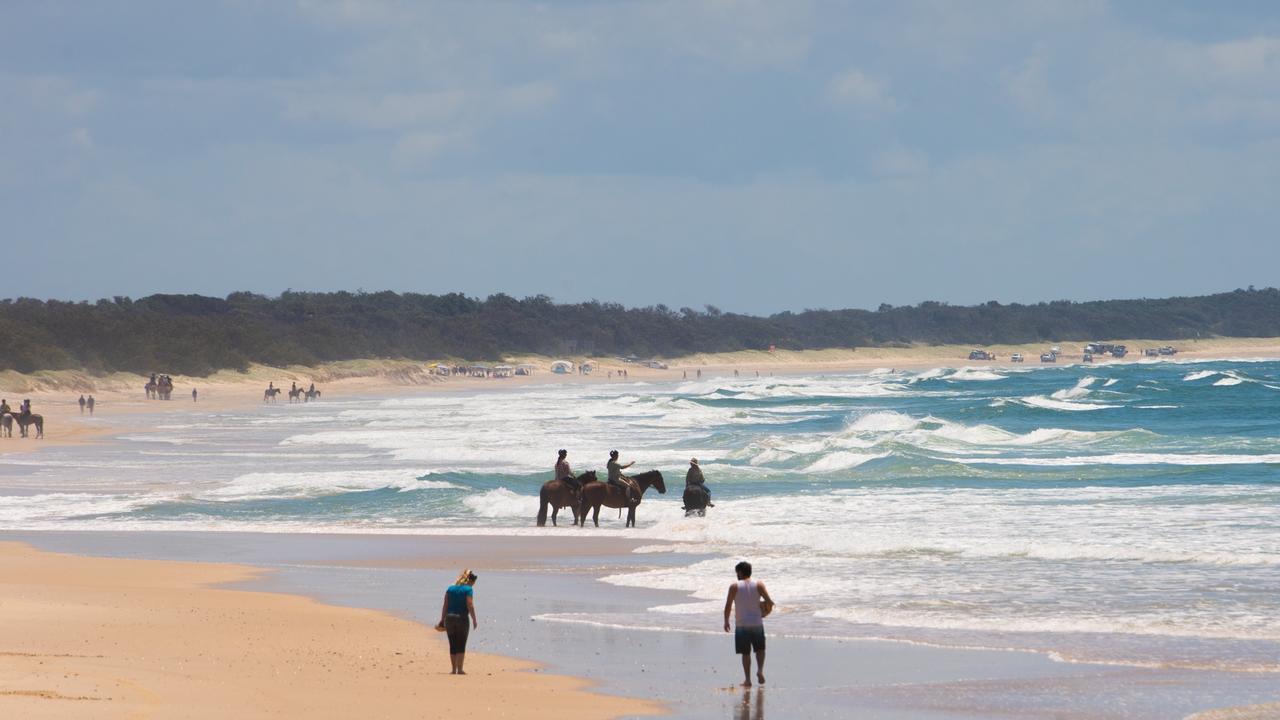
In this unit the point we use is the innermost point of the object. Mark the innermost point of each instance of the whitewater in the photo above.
(1124, 513)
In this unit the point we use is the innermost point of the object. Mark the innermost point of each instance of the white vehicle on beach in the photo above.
(1016, 357)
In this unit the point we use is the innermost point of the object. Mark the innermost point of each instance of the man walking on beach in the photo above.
(751, 602)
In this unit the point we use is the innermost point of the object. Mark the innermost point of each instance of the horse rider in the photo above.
(618, 480)
(4, 407)
(694, 478)
(564, 474)
(313, 388)
(293, 388)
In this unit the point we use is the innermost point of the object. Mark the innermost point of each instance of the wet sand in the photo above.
(548, 605)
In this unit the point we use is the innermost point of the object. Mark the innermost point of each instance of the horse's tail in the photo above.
(543, 499)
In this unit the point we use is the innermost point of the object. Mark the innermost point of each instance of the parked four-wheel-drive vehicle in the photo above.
(1087, 357)
(980, 355)
(656, 365)
(1151, 352)
(1168, 350)
(1049, 357)
(1016, 357)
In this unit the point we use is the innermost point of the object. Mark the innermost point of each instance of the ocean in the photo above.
(1122, 514)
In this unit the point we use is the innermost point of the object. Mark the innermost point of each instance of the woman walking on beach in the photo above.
(458, 604)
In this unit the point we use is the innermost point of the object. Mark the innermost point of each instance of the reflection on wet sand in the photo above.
(747, 710)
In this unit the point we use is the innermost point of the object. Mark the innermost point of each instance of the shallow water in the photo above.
(1120, 514)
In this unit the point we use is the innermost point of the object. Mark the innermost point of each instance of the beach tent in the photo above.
(562, 367)
(502, 371)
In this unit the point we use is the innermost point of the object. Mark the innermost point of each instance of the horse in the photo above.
(32, 419)
(696, 500)
(6, 425)
(295, 395)
(270, 394)
(311, 395)
(597, 494)
(558, 494)
(150, 387)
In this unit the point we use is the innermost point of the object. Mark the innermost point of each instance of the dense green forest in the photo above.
(196, 335)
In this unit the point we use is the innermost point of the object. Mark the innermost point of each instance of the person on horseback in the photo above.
(694, 478)
(4, 407)
(564, 474)
(618, 480)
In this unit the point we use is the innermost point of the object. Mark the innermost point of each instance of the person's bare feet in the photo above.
(760, 677)
(746, 683)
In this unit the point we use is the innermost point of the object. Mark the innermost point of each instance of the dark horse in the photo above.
(558, 494)
(28, 421)
(309, 395)
(597, 494)
(696, 500)
(6, 425)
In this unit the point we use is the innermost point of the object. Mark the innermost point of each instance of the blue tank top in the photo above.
(457, 597)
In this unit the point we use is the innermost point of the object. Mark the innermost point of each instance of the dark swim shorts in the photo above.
(746, 639)
(458, 628)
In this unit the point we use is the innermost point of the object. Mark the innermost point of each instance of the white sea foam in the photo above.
(1130, 459)
(968, 374)
(1199, 375)
(1040, 401)
(315, 484)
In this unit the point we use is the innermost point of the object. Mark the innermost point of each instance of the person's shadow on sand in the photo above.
(746, 710)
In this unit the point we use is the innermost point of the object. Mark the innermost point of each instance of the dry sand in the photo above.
(108, 638)
(54, 393)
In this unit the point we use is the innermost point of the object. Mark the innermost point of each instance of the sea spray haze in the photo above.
(1121, 513)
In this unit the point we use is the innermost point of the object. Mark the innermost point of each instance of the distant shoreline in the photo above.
(120, 395)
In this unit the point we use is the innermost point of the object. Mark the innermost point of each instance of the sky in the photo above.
(758, 156)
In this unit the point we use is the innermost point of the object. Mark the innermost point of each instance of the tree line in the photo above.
(197, 335)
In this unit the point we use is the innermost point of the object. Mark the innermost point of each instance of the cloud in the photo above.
(854, 88)
(398, 110)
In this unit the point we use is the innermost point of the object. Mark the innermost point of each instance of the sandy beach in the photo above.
(111, 638)
(153, 624)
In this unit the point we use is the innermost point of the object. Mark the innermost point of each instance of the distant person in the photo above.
(564, 473)
(90, 402)
(684, 374)
(693, 478)
(194, 394)
(618, 480)
(750, 602)
(82, 404)
(459, 602)
(4, 407)
(735, 372)
(699, 373)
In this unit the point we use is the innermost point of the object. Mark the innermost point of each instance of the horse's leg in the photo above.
(631, 516)
(40, 429)
(555, 510)
(595, 515)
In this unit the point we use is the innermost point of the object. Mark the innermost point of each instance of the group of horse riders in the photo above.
(24, 416)
(564, 473)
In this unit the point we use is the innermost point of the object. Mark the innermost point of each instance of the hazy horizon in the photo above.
(755, 156)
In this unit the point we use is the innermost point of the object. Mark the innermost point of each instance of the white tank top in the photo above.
(746, 605)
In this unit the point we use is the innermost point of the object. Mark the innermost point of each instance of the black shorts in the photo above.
(457, 627)
(746, 639)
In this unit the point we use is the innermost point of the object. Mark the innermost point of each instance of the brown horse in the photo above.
(270, 394)
(597, 494)
(309, 395)
(32, 419)
(6, 425)
(558, 494)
